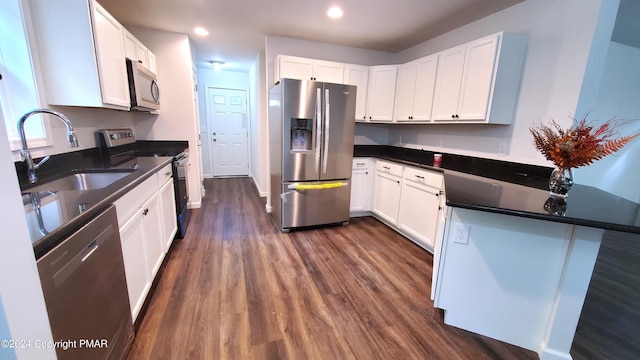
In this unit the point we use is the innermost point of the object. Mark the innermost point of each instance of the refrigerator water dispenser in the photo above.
(301, 135)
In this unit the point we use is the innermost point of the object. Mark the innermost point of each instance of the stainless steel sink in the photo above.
(80, 181)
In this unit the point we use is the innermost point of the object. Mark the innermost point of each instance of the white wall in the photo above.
(259, 128)
(211, 78)
(177, 119)
(617, 97)
(86, 121)
(20, 292)
(559, 38)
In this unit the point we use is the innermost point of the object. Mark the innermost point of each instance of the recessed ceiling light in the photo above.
(216, 64)
(335, 12)
(201, 31)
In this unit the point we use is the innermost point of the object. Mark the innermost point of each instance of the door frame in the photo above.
(208, 108)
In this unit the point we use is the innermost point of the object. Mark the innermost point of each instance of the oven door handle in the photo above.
(182, 161)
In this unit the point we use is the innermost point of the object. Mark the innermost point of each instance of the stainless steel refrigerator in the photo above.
(311, 129)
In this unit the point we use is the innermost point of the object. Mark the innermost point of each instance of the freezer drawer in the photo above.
(315, 203)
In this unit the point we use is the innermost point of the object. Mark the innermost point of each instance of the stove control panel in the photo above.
(116, 137)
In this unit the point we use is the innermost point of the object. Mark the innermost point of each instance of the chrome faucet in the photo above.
(31, 167)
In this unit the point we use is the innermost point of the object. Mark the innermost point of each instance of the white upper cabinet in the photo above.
(136, 51)
(478, 82)
(328, 71)
(358, 75)
(152, 62)
(414, 90)
(448, 83)
(292, 67)
(81, 54)
(381, 93)
(110, 54)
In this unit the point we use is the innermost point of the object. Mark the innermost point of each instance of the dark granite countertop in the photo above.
(63, 212)
(60, 213)
(515, 189)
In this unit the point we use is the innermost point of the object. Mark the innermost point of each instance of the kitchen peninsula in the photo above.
(511, 263)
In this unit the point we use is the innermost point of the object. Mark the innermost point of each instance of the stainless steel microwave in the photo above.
(143, 87)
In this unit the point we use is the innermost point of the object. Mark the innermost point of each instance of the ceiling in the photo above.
(237, 28)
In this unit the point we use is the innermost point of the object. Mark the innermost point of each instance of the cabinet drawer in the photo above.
(164, 175)
(387, 167)
(128, 204)
(421, 176)
(360, 163)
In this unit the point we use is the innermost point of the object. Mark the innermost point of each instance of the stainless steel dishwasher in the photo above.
(85, 291)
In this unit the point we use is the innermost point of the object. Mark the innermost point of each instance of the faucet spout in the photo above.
(31, 167)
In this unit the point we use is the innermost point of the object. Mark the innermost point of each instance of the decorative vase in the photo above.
(560, 182)
(556, 206)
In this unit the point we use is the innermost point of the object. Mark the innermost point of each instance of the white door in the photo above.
(229, 135)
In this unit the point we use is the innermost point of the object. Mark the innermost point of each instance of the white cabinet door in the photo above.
(152, 62)
(141, 55)
(405, 89)
(361, 185)
(386, 200)
(292, 67)
(448, 83)
(168, 204)
(129, 45)
(154, 241)
(135, 262)
(478, 82)
(110, 54)
(381, 93)
(386, 197)
(328, 71)
(358, 75)
(424, 88)
(477, 79)
(418, 214)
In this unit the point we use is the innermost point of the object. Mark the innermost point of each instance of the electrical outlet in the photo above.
(502, 149)
(461, 234)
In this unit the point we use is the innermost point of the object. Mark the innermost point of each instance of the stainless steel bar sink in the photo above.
(81, 180)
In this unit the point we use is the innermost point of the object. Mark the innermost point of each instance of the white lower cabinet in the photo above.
(135, 263)
(420, 205)
(361, 186)
(154, 245)
(146, 218)
(409, 200)
(386, 197)
(168, 203)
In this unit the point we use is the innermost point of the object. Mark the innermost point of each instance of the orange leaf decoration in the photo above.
(579, 145)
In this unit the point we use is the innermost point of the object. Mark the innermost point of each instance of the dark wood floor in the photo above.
(609, 326)
(237, 288)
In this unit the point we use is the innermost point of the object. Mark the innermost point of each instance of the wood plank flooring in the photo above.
(237, 288)
(609, 326)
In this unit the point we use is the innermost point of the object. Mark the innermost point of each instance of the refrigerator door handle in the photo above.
(326, 130)
(318, 127)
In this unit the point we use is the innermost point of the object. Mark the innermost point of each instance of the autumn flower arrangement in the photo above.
(579, 145)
